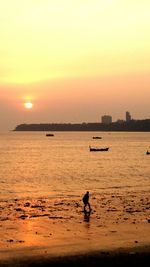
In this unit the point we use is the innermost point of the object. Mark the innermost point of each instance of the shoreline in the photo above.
(139, 256)
(57, 231)
(129, 126)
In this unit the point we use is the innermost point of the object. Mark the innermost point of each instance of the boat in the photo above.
(97, 137)
(49, 134)
(147, 152)
(99, 149)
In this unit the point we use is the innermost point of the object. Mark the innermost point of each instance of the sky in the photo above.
(74, 60)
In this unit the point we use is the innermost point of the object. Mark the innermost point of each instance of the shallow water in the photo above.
(33, 165)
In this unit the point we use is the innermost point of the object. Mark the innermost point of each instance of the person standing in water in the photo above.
(86, 201)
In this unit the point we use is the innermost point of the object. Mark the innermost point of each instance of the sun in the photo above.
(28, 105)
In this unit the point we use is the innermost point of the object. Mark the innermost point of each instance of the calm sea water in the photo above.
(33, 165)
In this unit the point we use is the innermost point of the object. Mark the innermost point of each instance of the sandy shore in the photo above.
(57, 231)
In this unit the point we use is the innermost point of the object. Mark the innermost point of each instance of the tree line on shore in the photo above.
(133, 125)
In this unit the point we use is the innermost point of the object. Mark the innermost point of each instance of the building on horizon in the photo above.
(106, 119)
(128, 116)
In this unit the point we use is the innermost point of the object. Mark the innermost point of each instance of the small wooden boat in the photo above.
(147, 152)
(49, 134)
(99, 149)
(97, 137)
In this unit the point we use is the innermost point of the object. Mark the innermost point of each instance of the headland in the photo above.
(131, 126)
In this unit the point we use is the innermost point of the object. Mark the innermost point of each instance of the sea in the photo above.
(33, 165)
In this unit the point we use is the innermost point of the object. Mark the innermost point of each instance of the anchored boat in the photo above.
(98, 149)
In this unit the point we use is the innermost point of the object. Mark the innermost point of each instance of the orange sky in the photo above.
(75, 60)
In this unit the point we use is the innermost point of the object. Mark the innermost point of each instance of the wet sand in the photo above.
(58, 232)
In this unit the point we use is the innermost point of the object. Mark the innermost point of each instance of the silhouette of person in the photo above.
(86, 201)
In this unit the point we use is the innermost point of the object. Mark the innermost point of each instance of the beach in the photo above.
(58, 232)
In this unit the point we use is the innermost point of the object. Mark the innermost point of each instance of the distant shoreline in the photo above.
(130, 126)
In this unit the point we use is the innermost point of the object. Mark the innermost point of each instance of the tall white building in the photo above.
(106, 119)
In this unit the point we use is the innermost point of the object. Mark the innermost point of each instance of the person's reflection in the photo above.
(87, 216)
